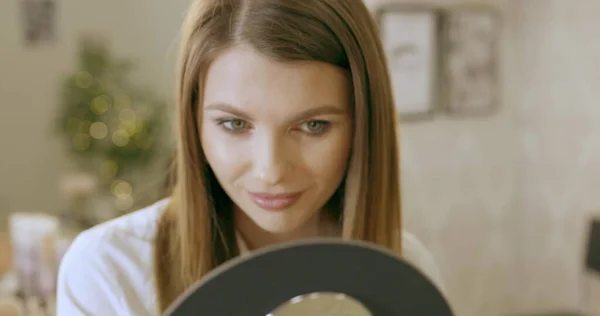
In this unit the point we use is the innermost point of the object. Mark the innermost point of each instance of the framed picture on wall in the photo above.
(410, 39)
(470, 38)
(39, 20)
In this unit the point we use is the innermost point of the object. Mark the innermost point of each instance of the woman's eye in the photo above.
(315, 127)
(234, 125)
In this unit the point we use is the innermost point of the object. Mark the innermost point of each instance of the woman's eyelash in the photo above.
(316, 127)
(237, 126)
(233, 125)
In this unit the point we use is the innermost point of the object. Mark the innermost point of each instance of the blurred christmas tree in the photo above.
(111, 126)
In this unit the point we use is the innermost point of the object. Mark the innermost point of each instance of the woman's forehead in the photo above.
(250, 81)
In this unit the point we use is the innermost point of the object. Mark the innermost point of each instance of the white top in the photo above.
(108, 268)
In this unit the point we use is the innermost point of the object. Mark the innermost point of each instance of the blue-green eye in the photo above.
(315, 127)
(234, 125)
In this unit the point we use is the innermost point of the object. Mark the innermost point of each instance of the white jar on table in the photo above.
(33, 237)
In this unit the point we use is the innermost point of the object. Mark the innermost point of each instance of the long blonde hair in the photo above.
(197, 233)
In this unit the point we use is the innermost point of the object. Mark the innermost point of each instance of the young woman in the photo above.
(286, 130)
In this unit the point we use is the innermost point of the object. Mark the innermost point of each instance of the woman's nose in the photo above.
(270, 161)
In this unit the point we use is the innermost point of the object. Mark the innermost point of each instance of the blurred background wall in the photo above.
(463, 187)
(32, 157)
(501, 200)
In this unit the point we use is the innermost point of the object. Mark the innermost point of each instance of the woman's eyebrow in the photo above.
(326, 109)
(224, 107)
(320, 110)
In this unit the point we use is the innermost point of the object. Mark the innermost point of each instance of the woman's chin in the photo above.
(283, 227)
(279, 228)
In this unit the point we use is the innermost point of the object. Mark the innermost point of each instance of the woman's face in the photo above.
(276, 135)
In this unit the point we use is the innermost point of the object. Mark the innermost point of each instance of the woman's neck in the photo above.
(256, 237)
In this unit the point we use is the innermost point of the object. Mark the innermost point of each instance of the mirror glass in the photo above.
(322, 304)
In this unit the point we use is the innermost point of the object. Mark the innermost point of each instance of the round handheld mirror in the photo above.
(322, 303)
(282, 279)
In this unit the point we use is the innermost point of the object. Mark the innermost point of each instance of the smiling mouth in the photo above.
(274, 202)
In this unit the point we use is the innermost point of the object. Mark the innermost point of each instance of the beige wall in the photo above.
(461, 190)
(505, 207)
(559, 142)
(31, 158)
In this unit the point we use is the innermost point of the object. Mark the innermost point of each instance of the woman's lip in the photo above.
(274, 202)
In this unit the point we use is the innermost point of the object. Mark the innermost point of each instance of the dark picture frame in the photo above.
(470, 78)
(39, 21)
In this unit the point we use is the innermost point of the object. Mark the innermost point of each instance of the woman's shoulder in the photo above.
(133, 233)
(108, 259)
(140, 224)
(415, 252)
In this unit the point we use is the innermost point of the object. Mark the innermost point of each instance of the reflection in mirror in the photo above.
(322, 304)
